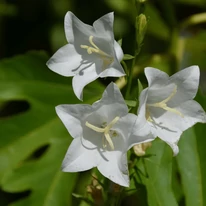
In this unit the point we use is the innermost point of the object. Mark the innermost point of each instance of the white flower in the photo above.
(102, 135)
(170, 108)
(92, 52)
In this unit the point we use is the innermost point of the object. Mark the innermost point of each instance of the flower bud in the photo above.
(141, 27)
(139, 149)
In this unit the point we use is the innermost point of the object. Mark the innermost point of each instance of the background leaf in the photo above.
(36, 131)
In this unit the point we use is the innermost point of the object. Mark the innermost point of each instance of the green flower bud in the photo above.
(141, 27)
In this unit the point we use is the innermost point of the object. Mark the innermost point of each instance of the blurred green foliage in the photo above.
(33, 141)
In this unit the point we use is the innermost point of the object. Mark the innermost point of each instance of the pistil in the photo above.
(105, 130)
(107, 59)
(163, 104)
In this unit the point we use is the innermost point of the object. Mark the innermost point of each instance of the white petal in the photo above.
(169, 136)
(114, 70)
(78, 158)
(133, 129)
(192, 113)
(115, 168)
(73, 26)
(118, 51)
(104, 25)
(155, 77)
(169, 126)
(65, 61)
(141, 132)
(113, 96)
(187, 81)
(160, 93)
(71, 116)
(86, 76)
(92, 139)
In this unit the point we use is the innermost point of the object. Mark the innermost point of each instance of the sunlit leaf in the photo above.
(157, 175)
(191, 163)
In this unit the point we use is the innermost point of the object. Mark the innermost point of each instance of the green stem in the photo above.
(129, 79)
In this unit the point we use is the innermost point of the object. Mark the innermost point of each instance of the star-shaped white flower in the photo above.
(92, 52)
(170, 108)
(102, 135)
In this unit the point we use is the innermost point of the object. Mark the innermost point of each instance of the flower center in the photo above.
(163, 105)
(107, 59)
(106, 131)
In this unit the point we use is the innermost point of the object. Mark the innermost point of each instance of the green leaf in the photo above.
(194, 51)
(131, 103)
(27, 78)
(191, 162)
(128, 57)
(157, 175)
(189, 167)
(192, 2)
(156, 25)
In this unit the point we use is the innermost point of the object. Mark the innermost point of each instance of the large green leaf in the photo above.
(157, 175)
(189, 166)
(191, 163)
(27, 78)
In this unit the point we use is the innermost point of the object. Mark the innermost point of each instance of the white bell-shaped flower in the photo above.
(170, 108)
(102, 135)
(91, 52)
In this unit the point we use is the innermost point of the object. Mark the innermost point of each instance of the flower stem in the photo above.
(129, 79)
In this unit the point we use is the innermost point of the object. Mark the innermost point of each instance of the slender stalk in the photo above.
(129, 80)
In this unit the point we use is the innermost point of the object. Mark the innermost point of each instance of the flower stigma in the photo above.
(107, 59)
(163, 105)
(108, 133)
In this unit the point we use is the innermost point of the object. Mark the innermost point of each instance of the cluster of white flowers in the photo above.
(104, 131)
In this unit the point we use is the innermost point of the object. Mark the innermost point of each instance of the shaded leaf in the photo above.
(26, 77)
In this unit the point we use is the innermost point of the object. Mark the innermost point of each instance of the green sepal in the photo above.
(128, 57)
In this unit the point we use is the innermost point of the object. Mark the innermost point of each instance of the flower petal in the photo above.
(73, 26)
(118, 51)
(78, 158)
(192, 113)
(141, 132)
(115, 70)
(169, 126)
(112, 96)
(187, 81)
(171, 137)
(160, 93)
(65, 61)
(104, 25)
(71, 116)
(115, 168)
(155, 77)
(83, 78)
